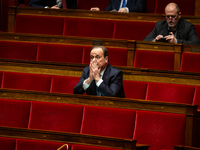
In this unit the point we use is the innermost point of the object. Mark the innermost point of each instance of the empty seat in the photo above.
(159, 130)
(60, 53)
(7, 143)
(135, 89)
(86, 27)
(14, 113)
(112, 122)
(131, 30)
(166, 92)
(56, 116)
(26, 144)
(18, 50)
(39, 24)
(26, 81)
(117, 56)
(63, 84)
(186, 7)
(190, 62)
(196, 100)
(154, 60)
(86, 147)
(87, 4)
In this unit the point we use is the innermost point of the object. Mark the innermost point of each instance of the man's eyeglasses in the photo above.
(96, 57)
(171, 17)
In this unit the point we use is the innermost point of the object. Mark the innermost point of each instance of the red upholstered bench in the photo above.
(112, 122)
(154, 60)
(63, 84)
(190, 62)
(159, 130)
(14, 113)
(26, 81)
(26, 144)
(166, 92)
(60, 53)
(86, 27)
(39, 24)
(86, 147)
(7, 143)
(56, 116)
(187, 7)
(131, 30)
(18, 50)
(135, 89)
(117, 56)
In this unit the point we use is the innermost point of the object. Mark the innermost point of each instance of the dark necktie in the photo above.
(124, 4)
(64, 4)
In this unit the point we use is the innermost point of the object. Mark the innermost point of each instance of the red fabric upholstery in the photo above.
(196, 100)
(154, 60)
(1, 78)
(14, 113)
(26, 81)
(18, 50)
(56, 116)
(131, 30)
(63, 84)
(85, 147)
(190, 62)
(186, 7)
(87, 4)
(4, 15)
(151, 6)
(7, 143)
(135, 89)
(39, 24)
(197, 29)
(60, 53)
(26, 144)
(117, 56)
(112, 122)
(166, 92)
(160, 130)
(89, 27)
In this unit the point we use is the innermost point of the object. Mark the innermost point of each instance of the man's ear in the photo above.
(179, 15)
(106, 58)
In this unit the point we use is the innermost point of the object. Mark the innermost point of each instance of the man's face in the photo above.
(172, 17)
(97, 56)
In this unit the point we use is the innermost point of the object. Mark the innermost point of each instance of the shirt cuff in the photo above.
(127, 9)
(85, 85)
(99, 82)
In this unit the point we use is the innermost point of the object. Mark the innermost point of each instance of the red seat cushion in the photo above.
(112, 122)
(154, 60)
(60, 53)
(39, 24)
(14, 113)
(190, 62)
(18, 50)
(7, 143)
(135, 89)
(131, 30)
(26, 81)
(64, 84)
(159, 130)
(166, 92)
(86, 27)
(26, 144)
(56, 116)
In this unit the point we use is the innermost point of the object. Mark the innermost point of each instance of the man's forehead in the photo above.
(96, 51)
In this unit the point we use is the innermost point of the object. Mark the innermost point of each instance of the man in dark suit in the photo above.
(124, 6)
(174, 29)
(54, 4)
(100, 78)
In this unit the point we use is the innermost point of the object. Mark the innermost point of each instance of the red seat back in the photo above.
(159, 130)
(196, 100)
(7, 143)
(112, 122)
(14, 113)
(154, 60)
(151, 6)
(56, 116)
(39, 24)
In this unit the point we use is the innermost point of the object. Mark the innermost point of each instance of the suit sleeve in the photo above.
(138, 6)
(115, 86)
(109, 7)
(151, 35)
(192, 37)
(36, 3)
